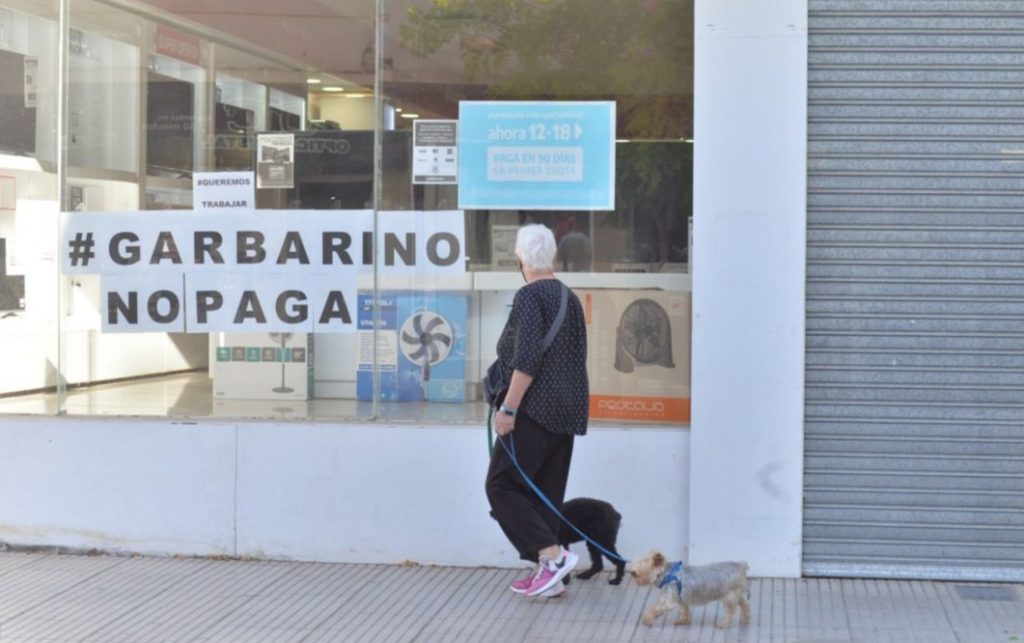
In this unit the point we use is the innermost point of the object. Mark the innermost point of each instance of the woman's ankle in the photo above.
(550, 553)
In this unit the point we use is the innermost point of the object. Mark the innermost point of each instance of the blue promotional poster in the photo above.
(536, 155)
(421, 347)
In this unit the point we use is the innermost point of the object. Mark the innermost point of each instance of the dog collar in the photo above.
(671, 577)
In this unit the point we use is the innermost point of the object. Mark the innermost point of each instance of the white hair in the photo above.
(535, 247)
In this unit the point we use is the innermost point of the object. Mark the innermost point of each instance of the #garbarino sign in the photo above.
(638, 354)
(279, 271)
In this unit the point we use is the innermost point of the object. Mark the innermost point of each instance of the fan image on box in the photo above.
(644, 334)
(283, 338)
(426, 339)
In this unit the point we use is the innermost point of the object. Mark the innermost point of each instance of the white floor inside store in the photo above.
(190, 395)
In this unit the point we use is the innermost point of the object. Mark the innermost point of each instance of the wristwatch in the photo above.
(507, 411)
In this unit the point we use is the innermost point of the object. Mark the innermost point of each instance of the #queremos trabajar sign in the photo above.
(202, 271)
(535, 155)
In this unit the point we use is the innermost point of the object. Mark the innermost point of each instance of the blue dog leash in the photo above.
(540, 494)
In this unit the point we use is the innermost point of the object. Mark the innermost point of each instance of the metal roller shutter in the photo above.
(915, 290)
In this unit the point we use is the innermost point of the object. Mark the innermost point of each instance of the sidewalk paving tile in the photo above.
(121, 599)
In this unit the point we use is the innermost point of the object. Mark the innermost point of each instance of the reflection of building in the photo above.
(855, 283)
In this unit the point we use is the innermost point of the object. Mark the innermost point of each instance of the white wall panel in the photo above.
(350, 493)
(750, 133)
(118, 485)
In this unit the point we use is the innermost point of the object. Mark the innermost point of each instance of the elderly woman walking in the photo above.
(545, 407)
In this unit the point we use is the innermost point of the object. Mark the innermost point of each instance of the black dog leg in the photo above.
(620, 569)
(596, 563)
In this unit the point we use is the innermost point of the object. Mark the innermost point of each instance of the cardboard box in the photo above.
(421, 347)
(638, 354)
(263, 366)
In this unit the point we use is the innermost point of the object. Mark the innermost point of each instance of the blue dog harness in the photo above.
(671, 577)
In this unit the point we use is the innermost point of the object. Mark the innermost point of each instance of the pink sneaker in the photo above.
(554, 592)
(552, 572)
(520, 586)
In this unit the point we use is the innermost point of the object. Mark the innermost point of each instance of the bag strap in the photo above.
(555, 325)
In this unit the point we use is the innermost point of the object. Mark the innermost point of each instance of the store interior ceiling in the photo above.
(333, 41)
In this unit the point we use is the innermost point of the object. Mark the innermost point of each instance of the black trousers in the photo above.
(544, 456)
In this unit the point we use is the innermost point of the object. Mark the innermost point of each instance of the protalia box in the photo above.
(263, 366)
(421, 346)
(638, 354)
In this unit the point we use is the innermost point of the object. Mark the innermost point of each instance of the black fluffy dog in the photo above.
(598, 520)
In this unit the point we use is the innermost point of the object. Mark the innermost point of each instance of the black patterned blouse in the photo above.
(559, 396)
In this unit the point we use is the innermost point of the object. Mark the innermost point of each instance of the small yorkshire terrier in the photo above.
(600, 521)
(686, 585)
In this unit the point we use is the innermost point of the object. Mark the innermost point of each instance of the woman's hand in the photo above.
(503, 423)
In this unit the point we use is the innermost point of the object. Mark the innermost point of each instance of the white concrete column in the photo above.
(750, 170)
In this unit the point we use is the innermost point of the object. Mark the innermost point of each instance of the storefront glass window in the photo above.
(29, 160)
(260, 209)
(540, 64)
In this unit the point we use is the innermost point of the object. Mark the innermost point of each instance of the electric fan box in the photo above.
(638, 354)
(259, 366)
(421, 346)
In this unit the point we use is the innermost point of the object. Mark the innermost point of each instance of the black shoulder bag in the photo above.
(494, 383)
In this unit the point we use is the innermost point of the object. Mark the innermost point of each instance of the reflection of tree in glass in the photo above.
(636, 52)
(654, 196)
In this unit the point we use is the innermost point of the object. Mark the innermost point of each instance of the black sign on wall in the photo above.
(12, 287)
